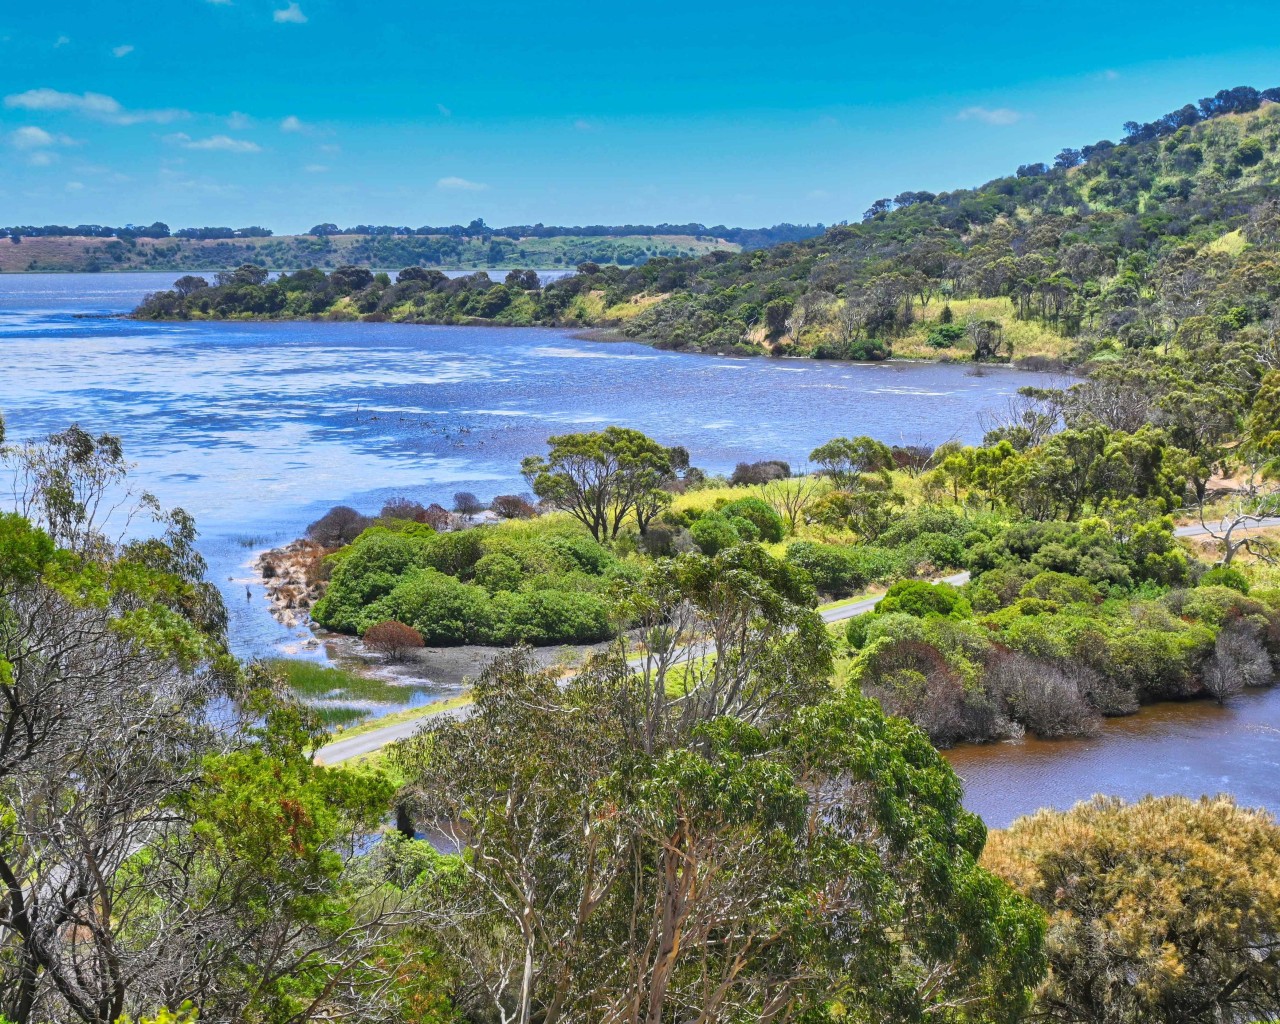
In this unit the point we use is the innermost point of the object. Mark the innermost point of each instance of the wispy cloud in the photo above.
(461, 185)
(997, 116)
(123, 50)
(214, 143)
(292, 124)
(90, 104)
(291, 15)
(445, 111)
(238, 122)
(32, 137)
(315, 168)
(583, 125)
(1111, 74)
(62, 41)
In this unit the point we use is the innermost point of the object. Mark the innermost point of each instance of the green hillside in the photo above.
(1156, 242)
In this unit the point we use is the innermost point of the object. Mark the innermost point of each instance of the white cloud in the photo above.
(91, 104)
(583, 125)
(62, 41)
(75, 186)
(998, 116)
(122, 51)
(315, 168)
(32, 137)
(216, 143)
(238, 122)
(330, 147)
(461, 185)
(41, 158)
(291, 15)
(444, 110)
(292, 124)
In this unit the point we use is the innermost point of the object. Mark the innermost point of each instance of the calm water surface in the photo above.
(256, 429)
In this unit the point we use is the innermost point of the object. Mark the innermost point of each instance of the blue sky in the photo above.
(289, 112)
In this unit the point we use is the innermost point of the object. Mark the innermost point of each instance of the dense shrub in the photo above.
(1225, 576)
(443, 609)
(713, 534)
(768, 524)
(918, 598)
(549, 616)
(525, 582)
(947, 335)
(832, 569)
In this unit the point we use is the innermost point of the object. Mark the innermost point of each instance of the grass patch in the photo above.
(1233, 243)
(331, 691)
(1028, 338)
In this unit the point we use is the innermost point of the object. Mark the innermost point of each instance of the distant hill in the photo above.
(290, 252)
(92, 247)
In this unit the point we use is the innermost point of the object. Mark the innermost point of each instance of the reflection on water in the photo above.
(1191, 748)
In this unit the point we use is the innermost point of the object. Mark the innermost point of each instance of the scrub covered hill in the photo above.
(1165, 240)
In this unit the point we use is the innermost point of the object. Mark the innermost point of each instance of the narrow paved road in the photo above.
(357, 746)
(1196, 530)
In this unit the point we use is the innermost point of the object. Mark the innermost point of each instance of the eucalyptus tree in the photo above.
(601, 478)
(164, 834)
(714, 836)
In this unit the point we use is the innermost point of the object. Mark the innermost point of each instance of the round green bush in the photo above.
(1225, 576)
(446, 611)
(456, 553)
(767, 522)
(713, 534)
(831, 568)
(586, 553)
(921, 599)
(1061, 588)
(498, 571)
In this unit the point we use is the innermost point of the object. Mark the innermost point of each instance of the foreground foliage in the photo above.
(1165, 911)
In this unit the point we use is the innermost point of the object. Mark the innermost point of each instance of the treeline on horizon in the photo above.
(748, 238)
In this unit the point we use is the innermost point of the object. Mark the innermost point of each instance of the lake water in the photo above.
(257, 429)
